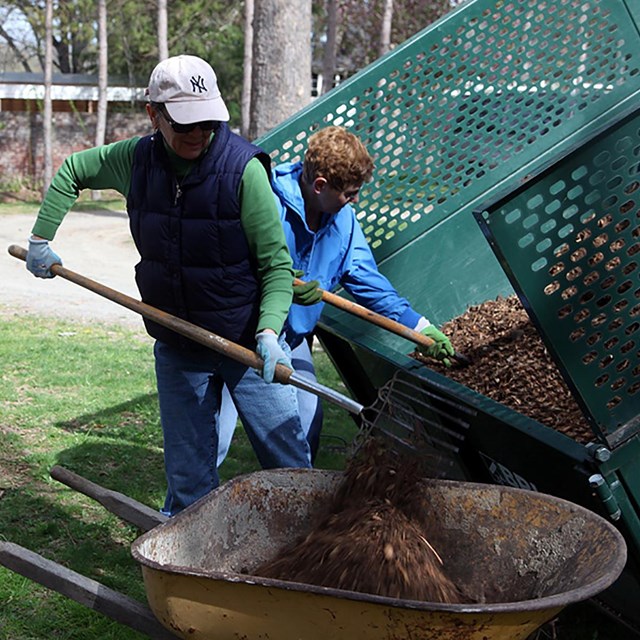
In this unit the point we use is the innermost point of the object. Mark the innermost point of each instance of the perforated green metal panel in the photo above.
(470, 101)
(570, 242)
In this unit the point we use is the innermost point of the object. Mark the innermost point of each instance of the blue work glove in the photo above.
(308, 293)
(441, 349)
(40, 258)
(271, 352)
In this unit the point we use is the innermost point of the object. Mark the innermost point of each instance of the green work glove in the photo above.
(441, 349)
(308, 293)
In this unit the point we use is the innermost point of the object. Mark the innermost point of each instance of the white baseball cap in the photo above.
(188, 88)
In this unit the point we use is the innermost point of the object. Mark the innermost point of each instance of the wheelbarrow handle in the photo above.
(89, 593)
(236, 352)
(380, 320)
(130, 510)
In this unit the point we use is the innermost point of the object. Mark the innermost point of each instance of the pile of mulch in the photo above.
(372, 538)
(511, 365)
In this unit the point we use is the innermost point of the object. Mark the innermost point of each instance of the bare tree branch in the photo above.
(11, 43)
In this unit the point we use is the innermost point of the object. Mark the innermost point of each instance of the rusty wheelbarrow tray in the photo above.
(523, 556)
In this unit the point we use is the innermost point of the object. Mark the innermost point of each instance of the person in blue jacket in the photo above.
(329, 249)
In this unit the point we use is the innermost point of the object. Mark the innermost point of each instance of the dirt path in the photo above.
(96, 245)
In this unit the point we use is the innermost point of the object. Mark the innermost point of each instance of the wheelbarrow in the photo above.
(522, 556)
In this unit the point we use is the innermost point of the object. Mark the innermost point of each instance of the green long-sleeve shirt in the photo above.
(109, 167)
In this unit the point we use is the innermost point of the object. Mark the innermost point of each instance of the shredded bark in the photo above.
(371, 539)
(511, 365)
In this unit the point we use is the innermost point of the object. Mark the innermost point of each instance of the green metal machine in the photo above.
(569, 240)
(507, 145)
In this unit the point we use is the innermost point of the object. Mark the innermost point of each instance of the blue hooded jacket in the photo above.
(336, 254)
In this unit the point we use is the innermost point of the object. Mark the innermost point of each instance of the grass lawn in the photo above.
(83, 396)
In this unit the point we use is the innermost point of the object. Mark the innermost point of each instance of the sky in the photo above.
(14, 23)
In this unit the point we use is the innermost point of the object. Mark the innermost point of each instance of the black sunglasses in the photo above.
(205, 125)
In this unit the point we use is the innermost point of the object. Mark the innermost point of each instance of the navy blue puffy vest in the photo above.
(195, 261)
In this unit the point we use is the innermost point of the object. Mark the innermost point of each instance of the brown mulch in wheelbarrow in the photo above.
(373, 537)
(510, 364)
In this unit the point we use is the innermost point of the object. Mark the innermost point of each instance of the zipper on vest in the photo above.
(179, 184)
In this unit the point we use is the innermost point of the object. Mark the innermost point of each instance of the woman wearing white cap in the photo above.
(204, 220)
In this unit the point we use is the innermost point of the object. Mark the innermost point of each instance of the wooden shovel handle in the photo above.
(377, 319)
(373, 317)
(211, 340)
(197, 334)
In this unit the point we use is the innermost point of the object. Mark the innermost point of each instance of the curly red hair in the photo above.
(339, 157)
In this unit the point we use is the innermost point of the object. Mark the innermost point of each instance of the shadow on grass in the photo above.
(136, 471)
(135, 421)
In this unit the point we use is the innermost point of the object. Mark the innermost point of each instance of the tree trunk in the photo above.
(103, 58)
(246, 68)
(47, 115)
(385, 31)
(163, 40)
(281, 69)
(62, 54)
(329, 57)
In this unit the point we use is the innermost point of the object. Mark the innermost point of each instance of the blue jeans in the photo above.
(189, 394)
(309, 406)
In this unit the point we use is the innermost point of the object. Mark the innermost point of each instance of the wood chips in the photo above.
(511, 365)
(372, 537)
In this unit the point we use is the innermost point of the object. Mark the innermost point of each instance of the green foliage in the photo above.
(74, 32)
(221, 43)
(211, 30)
(12, 185)
(133, 42)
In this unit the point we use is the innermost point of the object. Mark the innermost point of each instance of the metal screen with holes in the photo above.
(474, 98)
(570, 242)
(474, 105)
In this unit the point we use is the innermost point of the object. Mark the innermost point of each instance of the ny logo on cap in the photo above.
(197, 84)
